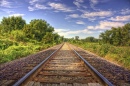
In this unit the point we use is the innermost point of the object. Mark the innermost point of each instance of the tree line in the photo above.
(17, 29)
(117, 36)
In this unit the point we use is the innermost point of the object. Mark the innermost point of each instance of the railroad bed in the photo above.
(64, 68)
(12, 71)
(116, 74)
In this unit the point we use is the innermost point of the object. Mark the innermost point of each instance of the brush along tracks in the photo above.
(12, 71)
(117, 75)
(64, 68)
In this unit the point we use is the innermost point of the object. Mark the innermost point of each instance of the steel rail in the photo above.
(20, 81)
(93, 69)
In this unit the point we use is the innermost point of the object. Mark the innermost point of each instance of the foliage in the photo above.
(76, 37)
(18, 39)
(91, 39)
(37, 29)
(5, 43)
(12, 23)
(117, 36)
(18, 35)
(120, 55)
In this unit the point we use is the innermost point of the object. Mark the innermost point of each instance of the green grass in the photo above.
(10, 50)
(119, 55)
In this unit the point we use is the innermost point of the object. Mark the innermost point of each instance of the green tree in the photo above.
(18, 35)
(37, 29)
(76, 37)
(48, 38)
(56, 38)
(117, 36)
(91, 39)
(12, 23)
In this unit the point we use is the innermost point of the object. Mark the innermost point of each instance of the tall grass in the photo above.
(10, 50)
(119, 55)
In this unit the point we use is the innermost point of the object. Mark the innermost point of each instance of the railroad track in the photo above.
(12, 71)
(116, 74)
(64, 67)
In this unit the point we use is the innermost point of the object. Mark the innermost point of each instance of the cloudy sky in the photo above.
(71, 18)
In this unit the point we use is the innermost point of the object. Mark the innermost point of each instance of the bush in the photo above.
(18, 35)
(6, 43)
(120, 55)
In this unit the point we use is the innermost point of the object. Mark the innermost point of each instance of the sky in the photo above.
(71, 18)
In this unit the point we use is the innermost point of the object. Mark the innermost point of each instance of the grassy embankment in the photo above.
(10, 50)
(119, 55)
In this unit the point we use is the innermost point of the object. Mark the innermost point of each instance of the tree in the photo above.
(76, 37)
(56, 37)
(1, 29)
(117, 36)
(48, 38)
(12, 23)
(18, 35)
(37, 29)
(91, 39)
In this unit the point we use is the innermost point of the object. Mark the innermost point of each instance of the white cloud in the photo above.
(79, 31)
(17, 14)
(94, 1)
(92, 19)
(32, 2)
(31, 8)
(73, 16)
(80, 22)
(104, 25)
(96, 14)
(125, 11)
(5, 3)
(91, 27)
(37, 7)
(61, 30)
(81, 1)
(121, 18)
(60, 7)
(8, 11)
(78, 3)
(66, 33)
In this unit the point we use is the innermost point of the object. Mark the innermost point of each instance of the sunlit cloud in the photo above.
(96, 14)
(78, 3)
(104, 25)
(17, 14)
(80, 22)
(94, 1)
(121, 18)
(32, 2)
(73, 16)
(31, 8)
(60, 7)
(5, 3)
(125, 11)
(37, 7)
(66, 33)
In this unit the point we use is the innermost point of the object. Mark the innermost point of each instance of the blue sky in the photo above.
(71, 18)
